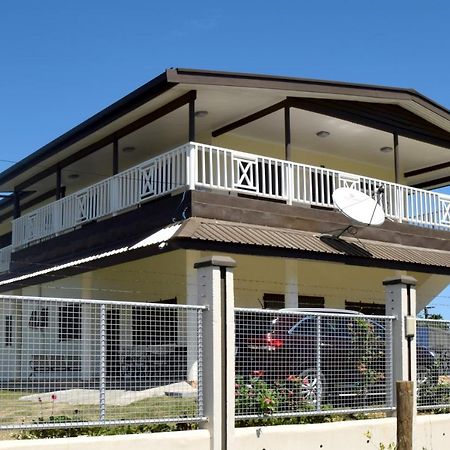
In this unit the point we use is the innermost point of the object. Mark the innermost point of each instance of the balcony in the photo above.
(205, 167)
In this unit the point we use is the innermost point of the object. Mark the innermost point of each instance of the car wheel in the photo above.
(311, 387)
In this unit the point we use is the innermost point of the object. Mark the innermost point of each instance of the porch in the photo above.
(374, 344)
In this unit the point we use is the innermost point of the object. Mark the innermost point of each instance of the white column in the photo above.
(401, 303)
(191, 299)
(291, 283)
(191, 166)
(215, 289)
(27, 342)
(88, 329)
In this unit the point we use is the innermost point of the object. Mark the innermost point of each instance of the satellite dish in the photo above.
(358, 207)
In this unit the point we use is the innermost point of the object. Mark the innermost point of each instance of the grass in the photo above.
(15, 411)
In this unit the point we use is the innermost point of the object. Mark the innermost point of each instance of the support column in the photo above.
(287, 134)
(396, 158)
(215, 289)
(58, 183)
(192, 118)
(192, 299)
(401, 302)
(291, 283)
(115, 161)
(16, 213)
(88, 327)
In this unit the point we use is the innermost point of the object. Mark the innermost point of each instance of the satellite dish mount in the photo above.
(362, 210)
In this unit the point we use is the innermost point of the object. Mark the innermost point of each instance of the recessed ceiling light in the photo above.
(386, 149)
(203, 113)
(323, 134)
(73, 176)
(129, 149)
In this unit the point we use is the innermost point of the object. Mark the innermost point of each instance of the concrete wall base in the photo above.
(432, 433)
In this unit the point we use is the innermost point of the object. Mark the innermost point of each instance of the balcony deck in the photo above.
(196, 166)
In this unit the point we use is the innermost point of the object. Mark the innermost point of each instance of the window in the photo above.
(69, 323)
(373, 309)
(310, 301)
(8, 331)
(155, 326)
(273, 301)
(38, 319)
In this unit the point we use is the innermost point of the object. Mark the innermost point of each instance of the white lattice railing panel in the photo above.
(444, 207)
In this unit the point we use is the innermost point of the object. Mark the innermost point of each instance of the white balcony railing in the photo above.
(153, 178)
(199, 166)
(5, 258)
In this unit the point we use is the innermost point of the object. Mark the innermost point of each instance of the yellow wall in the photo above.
(303, 156)
(149, 279)
(165, 276)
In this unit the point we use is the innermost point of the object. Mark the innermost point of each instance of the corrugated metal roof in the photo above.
(198, 229)
(159, 237)
(247, 234)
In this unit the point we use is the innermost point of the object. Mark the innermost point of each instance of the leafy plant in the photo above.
(369, 354)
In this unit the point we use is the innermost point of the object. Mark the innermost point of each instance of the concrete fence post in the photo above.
(216, 290)
(401, 303)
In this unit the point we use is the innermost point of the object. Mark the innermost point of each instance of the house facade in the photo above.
(199, 162)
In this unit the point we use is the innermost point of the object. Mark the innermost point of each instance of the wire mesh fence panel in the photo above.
(298, 363)
(433, 363)
(72, 362)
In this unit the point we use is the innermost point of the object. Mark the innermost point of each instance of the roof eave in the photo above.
(172, 77)
(186, 75)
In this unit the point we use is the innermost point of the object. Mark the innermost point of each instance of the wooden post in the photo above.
(58, 182)
(192, 118)
(287, 134)
(396, 158)
(405, 414)
(16, 213)
(115, 161)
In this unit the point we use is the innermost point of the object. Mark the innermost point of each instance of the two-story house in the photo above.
(198, 162)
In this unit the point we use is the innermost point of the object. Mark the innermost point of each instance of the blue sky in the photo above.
(62, 61)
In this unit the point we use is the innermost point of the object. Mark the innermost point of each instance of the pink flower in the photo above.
(293, 378)
(53, 397)
(258, 373)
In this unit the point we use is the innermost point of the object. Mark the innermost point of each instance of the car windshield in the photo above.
(333, 326)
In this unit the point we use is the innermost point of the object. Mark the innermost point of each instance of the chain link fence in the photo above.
(81, 362)
(297, 363)
(70, 362)
(433, 363)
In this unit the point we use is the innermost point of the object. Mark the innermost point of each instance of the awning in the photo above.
(346, 249)
(232, 237)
